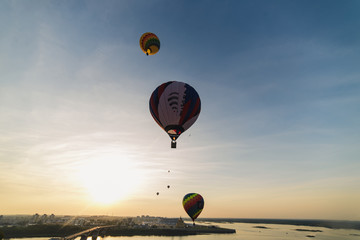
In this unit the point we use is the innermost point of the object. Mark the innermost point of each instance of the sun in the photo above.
(110, 177)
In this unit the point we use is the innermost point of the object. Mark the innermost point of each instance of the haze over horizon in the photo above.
(277, 136)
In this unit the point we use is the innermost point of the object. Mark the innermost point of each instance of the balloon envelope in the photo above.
(175, 106)
(149, 43)
(193, 204)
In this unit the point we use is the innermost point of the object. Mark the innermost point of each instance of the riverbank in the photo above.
(62, 231)
(197, 230)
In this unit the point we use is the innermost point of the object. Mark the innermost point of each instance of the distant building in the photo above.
(43, 218)
(180, 223)
(79, 221)
(35, 218)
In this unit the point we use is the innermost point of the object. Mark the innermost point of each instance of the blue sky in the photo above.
(277, 136)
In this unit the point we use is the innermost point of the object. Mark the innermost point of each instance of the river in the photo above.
(252, 231)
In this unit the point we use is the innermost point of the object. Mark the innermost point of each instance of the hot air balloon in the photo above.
(149, 43)
(193, 204)
(175, 106)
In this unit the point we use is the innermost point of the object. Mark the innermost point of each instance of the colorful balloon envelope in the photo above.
(175, 106)
(149, 43)
(193, 204)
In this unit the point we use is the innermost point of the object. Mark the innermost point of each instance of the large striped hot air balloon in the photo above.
(149, 43)
(175, 106)
(193, 204)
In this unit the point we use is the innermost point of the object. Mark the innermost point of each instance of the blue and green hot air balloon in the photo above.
(193, 204)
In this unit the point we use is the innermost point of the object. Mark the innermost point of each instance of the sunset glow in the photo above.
(110, 177)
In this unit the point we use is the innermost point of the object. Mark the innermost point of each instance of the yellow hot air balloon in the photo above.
(149, 43)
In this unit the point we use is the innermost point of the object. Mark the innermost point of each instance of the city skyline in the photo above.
(278, 131)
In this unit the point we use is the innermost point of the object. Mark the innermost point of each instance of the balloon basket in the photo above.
(173, 144)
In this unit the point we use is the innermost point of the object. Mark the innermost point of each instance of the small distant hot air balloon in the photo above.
(157, 193)
(193, 204)
(175, 106)
(149, 43)
(168, 186)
